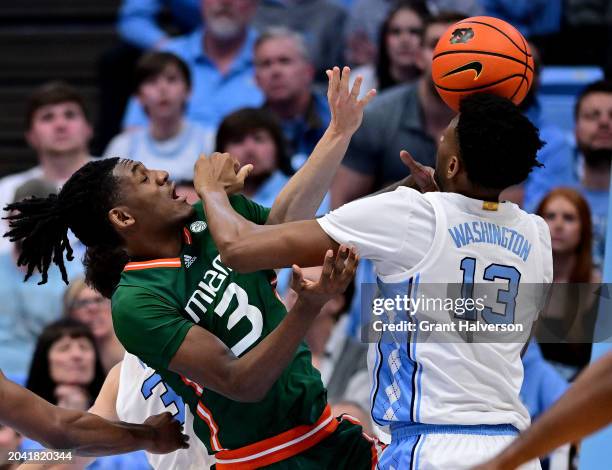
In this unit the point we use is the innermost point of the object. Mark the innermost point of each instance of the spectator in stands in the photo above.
(27, 307)
(254, 136)
(220, 58)
(169, 140)
(557, 155)
(366, 17)
(284, 73)
(137, 22)
(410, 117)
(593, 114)
(66, 371)
(569, 313)
(58, 129)
(88, 306)
(399, 49)
(66, 368)
(10, 441)
(319, 21)
(532, 18)
(141, 25)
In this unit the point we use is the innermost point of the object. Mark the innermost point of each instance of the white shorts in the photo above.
(445, 451)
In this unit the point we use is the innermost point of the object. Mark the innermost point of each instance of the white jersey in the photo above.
(420, 243)
(142, 394)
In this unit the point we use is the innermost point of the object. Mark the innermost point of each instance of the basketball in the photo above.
(482, 54)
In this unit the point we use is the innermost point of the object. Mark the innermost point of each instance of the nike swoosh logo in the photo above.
(475, 66)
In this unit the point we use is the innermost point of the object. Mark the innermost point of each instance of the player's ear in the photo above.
(120, 218)
(453, 167)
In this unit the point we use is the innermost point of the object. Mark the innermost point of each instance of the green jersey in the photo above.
(158, 301)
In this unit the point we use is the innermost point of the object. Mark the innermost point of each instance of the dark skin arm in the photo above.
(247, 247)
(248, 378)
(585, 408)
(85, 433)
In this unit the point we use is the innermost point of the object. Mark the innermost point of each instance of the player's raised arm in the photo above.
(85, 433)
(242, 244)
(248, 378)
(302, 195)
(585, 408)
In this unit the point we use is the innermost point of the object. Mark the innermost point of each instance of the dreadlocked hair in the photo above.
(41, 225)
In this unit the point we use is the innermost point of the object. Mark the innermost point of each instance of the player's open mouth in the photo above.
(175, 196)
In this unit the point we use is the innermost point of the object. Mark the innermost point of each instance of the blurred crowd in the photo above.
(248, 77)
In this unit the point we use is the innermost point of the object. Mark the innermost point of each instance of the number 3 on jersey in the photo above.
(244, 309)
(504, 296)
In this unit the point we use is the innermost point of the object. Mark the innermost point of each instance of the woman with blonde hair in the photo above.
(88, 306)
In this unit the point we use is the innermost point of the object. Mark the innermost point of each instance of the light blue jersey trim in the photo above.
(404, 430)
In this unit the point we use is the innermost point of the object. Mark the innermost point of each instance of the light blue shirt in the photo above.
(26, 309)
(137, 20)
(598, 203)
(214, 95)
(557, 155)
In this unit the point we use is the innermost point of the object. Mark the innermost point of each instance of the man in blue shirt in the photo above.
(594, 144)
(285, 74)
(220, 59)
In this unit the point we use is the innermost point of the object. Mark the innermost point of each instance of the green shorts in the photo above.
(347, 447)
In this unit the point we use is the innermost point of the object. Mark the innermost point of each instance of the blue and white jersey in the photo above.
(419, 242)
(142, 394)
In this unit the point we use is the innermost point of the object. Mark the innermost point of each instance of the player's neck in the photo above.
(563, 264)
(164, 129)
(59, 167)
(163, 244)
(596, 177)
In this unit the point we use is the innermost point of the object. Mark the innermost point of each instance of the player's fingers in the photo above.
(328, 265)
(367, 98)
(330, 76)
(296, 277)
(341, 256)
(409, 161)
(350, 265)
(356, 87)
(244, 172)
(344, 80)
(336, 80)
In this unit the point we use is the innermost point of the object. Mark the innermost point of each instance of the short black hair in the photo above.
(237, 125)
(497, 143)
(600, 86)
(50, 93)
(152, 64)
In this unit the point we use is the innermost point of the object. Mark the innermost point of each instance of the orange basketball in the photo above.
(482, 54)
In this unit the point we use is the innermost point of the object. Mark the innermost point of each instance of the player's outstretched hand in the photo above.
(219, 171)
(337, 273)
(422, 176)
(167, 434)
(345, 105)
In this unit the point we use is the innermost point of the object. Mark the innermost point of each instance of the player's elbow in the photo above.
(234, 256)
